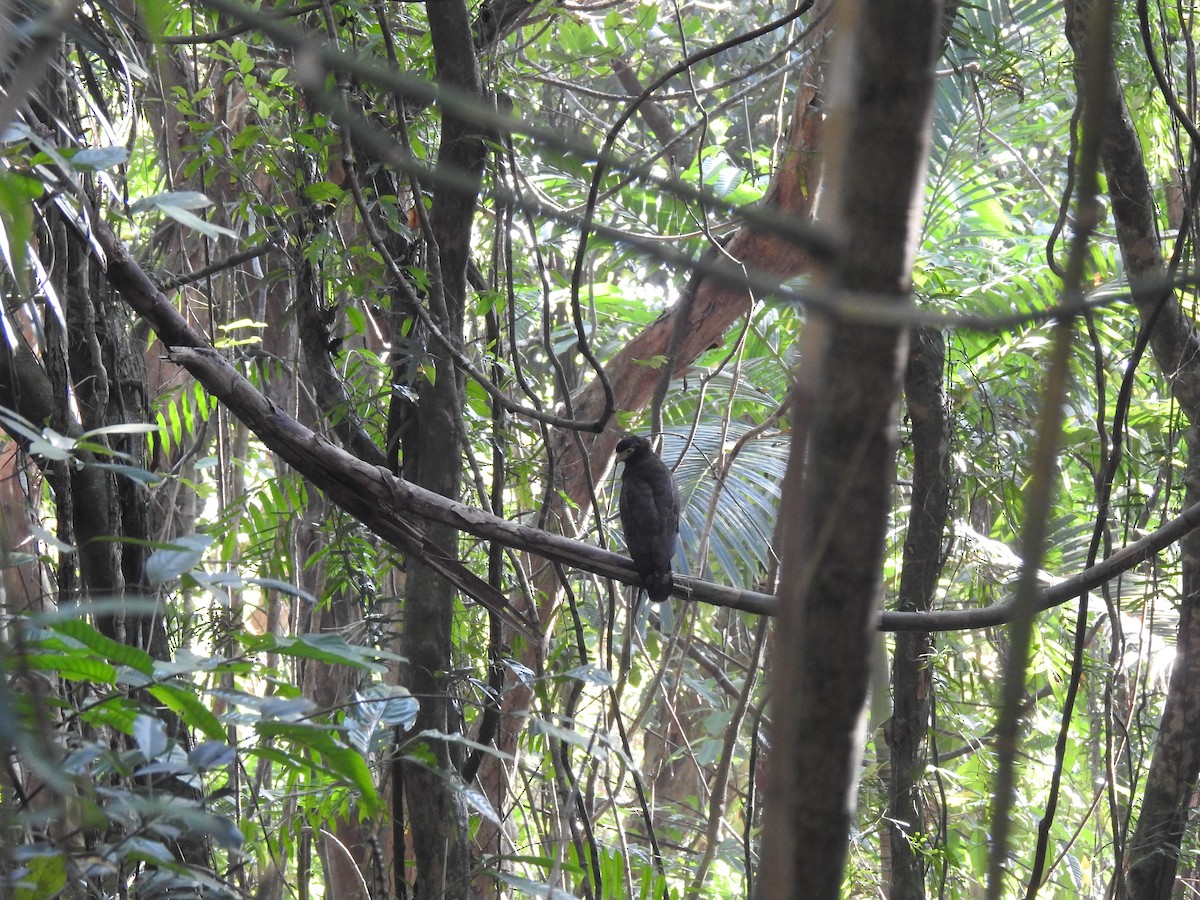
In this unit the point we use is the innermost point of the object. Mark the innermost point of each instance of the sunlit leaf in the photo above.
(150, 735)
(178, 205)
(185, 553)
(531, 888)
(211, 755)
(114, 651)
(95, 159)
(190, 708)
(376, 710)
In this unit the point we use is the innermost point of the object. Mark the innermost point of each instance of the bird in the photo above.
(649, 514)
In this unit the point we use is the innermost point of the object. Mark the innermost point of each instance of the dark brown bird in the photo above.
(649, 514)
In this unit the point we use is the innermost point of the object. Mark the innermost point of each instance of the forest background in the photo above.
(322, 323)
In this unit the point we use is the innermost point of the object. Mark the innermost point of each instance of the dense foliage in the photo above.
(205, 689)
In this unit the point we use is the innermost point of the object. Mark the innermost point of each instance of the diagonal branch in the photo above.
(390, 506)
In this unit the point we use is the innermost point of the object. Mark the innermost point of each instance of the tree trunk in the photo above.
(437, 814)
(923, 555)
(837, 497)
(1152, 856)
(709, 309)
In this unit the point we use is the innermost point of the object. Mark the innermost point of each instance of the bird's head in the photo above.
(632, 448)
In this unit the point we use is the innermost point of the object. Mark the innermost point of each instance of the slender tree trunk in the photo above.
(1152, 856)
(433, 459)
(923, 554)
(838, 493)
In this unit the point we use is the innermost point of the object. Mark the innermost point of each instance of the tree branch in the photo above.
(386, 504)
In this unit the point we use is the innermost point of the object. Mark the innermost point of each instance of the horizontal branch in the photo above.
(383, 502)
(1056, 595)
(393, 508)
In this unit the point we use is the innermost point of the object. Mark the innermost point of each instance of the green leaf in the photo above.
(247, 137)
(326, 648)
(323, 190)
(190, 709)
(155, 15)
(349, 763)
(576, 38)
(532, 888)
(356, 319)
(183, 555)
(114, 651)
(95, 159)
(318, 738)
(73, 666)
(45, 876)
(591, 674)
(116, 713)
(16, 219)
(338, 757)
(569, 736)
(288, 762)
(470, 795)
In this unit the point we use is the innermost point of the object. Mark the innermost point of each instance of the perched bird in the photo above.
(649, 514)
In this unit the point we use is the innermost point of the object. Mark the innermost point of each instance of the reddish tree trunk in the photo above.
(710, 310)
